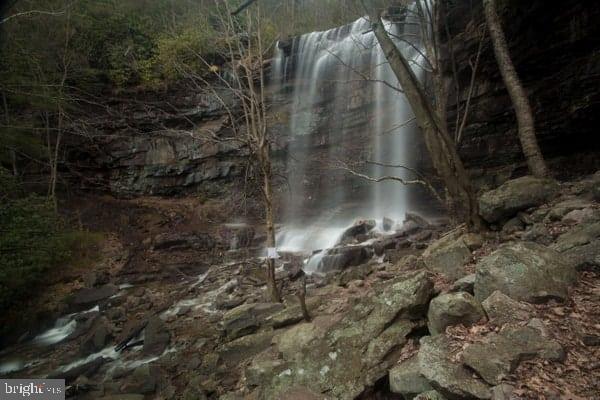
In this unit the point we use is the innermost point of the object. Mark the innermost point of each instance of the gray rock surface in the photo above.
(247, 318)
(406, 379)
(453, 309)
(524, 271)
(500, 353)
(156, 337)
(450, 378)
(514, 196)
(501, 309)
(448, 256)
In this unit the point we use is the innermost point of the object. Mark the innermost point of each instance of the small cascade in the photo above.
(345, 106)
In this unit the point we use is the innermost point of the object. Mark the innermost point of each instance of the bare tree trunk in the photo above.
(526, 126)
(302, 299)
(439, 143)
(265, 164)
(13, 153)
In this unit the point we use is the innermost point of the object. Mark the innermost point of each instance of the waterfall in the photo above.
(345, 105)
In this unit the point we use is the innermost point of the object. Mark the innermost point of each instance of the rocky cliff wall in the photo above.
(162, 143)
(556, 51)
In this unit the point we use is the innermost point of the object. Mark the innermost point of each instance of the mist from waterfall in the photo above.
(344, 89)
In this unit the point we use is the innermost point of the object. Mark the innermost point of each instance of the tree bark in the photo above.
(441, 148)
(526, 125)
(265, 163)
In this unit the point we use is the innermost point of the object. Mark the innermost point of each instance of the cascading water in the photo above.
(345, 105)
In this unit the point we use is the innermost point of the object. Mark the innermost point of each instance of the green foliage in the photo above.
(33, 242)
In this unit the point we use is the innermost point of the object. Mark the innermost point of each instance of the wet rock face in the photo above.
(340, 258)
(524, 271)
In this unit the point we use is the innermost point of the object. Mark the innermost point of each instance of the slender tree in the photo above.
(431, 115)
(518, 96)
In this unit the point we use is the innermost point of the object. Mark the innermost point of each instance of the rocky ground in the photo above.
(175, 307)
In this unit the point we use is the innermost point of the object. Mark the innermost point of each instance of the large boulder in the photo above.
(340, 258)
(232, 353)
(524, 271)
(453, 309)
(450, 378)
(586, 257)
(581, 246)
(343, 357)
(359, 228)
(98, 336)
(90, 296)
(156, 337)
(516, 195)
(448, 256)
(499, 354)
(406, 379)
(501, 309)
(579, 236)
(247, 318)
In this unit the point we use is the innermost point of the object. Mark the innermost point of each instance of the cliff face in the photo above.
(163, 143)
(555, 49)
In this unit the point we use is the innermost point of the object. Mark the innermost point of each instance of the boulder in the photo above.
(499, 354)
(262, 369)
(451, 379)
(243, 348)
(501, 309)
(389, 243)
(464, 284)
(448, 256)
(559, 210)
(453, 309)
(513, 225)
(91, 296)
(97, 337)
(343, 356)
(406, 379)
(156, 337)
(354, 273)
(182, 241)
(420, 221)
(96, 278)
(538, 233)
(524, 271)
(297, 339)
(361, 227)
(578, 236)
(247, 318)
(516, 195)
(339, 258)
(144, 380)
(430, 395)
(473, 241)
(502, 391)
(387, 223)
(581, 216)
(586, 257)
